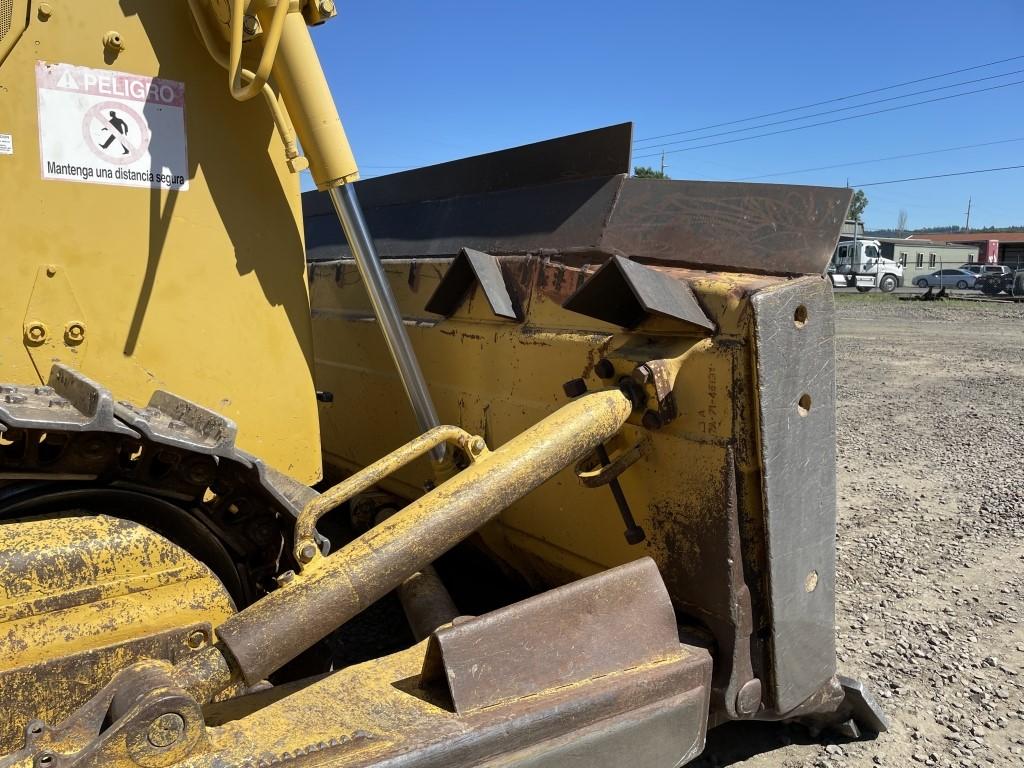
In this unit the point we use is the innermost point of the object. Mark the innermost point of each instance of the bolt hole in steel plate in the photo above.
(800, 316)
(803, 405)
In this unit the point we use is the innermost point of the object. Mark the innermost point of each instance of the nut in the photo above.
(74, 332)
(51, 270)
(45, 11)
(652, 420)
(574, 387)
(113, 41)
(35, 331)
(605, 368)
(298, 164)
(250, 25)
(327, 7)
(307, 552)
(477, 445)
(196, 639)
(166, 729)
(634, 534)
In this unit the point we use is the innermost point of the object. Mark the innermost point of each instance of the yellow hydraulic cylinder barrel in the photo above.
(331, 590)
(307, 97)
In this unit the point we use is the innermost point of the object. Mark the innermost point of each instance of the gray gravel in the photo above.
(931, 539)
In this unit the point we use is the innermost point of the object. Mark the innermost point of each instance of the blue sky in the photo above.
(423, 82)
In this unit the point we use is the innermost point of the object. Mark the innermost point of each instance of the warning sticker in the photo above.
(6, 144)
(104, 127)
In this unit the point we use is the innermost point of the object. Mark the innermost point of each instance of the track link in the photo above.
(72, 434)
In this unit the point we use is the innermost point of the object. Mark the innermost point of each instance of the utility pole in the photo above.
(968, 225)
(663, 163)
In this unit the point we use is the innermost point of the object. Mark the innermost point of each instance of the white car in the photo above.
(947, 278)
(986, 269)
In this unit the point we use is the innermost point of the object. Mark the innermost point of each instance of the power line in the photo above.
(832, 111)
(938, 176)
(830, 122)
(877, 160)
(833, 101)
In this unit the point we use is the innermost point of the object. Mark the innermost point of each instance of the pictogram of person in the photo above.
(121, 127)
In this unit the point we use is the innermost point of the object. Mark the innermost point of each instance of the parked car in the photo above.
(946, 278)
(986, 269)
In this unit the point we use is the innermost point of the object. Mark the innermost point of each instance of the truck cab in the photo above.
(859, 264)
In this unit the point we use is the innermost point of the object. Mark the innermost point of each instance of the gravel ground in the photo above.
(931, 539)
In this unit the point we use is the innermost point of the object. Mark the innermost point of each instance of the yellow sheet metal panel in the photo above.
(200, 291)
(495, 378)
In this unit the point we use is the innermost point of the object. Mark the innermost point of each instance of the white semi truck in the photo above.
(859, 264)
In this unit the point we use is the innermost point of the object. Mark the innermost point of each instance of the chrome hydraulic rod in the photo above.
(307, 97)
(350, 214)
(331, 590)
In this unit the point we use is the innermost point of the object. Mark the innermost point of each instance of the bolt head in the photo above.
(285, 578)
(196, 639)
(574, 387)
(748, 698)
(51, 270)
(35, 331)
(478, 445)
(307, 553)
(604, 368)
(635, 535)
(642, 374)
(250, 25)
(166, 730)
(652, 420)
(113, 42)
(74, 332)
(327, 7)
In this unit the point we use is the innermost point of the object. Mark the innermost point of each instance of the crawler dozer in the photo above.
(514, 460)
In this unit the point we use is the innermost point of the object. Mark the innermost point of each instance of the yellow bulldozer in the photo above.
(513, 460)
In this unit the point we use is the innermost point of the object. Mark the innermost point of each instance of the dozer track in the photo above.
(171, 465)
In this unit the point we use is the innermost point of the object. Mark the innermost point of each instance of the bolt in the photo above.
(94, 447)
(652, 420)
(50, 270)
(604, 368)
(196, 640)
(35, 331)
(250, 25)
(166, 729)
(634, 534)
(748, 698)
(327, 7)
(478, 445)
(642, 374)
(74, 332)
(200, 472)
(45, 12)
(574, 387)
(633, 391)
(285, 578)
(113, 42)
(15, 398)
(307, 552)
